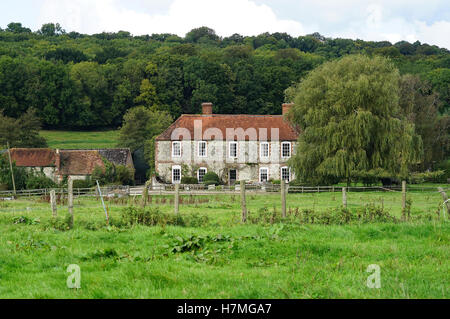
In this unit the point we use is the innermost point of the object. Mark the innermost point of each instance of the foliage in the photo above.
(131, 216)
(83, 81)
(140, 128)
(430, 177)
(84, 183)
(20, 174)
(38, 180)
(113, 174)
(349, 113)
(211, 178)
(21, 132)
(189, 180)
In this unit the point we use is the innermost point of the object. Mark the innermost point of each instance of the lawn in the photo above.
(287, 259)
(80, 139)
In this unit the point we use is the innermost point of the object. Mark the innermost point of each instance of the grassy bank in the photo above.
(80, 139)
(282, 260)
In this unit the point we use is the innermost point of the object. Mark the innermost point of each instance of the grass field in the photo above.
(80, 139)
(283, 260)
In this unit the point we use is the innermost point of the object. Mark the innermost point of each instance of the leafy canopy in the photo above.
(351, 121)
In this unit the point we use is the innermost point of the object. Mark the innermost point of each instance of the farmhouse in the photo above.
(254, 148)
(78, 164)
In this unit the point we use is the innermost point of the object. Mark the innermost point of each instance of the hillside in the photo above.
(89, 81)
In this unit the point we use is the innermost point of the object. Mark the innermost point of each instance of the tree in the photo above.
(202, 35)
(16, 27)
(351, 122)
(21, 132)
(140, 126)
(51, 29)
(420, 105)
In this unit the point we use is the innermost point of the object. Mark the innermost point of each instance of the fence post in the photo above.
(243, 202)
(145, 194)
(403, 200)
(53, 203)
(344, 197)
(283, 198)
(70, 199)
(177, 198)
(445, 198)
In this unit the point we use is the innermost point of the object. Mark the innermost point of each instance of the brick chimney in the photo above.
(207, 108)
(286, 107)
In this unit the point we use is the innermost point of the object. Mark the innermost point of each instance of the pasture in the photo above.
(212, 254)
(81, 139)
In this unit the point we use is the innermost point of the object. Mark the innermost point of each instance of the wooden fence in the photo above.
(119, 191)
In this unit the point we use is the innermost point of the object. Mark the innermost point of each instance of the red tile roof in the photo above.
(222, 122)
(33, 157)
(80, 162)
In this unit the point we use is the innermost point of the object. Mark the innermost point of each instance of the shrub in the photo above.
(83, 183)
(431, 177)
(148, 217)
(189, 180)
(211, 178)
(39, 181)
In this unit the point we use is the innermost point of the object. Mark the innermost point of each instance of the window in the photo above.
(233, 149)
(233, 175)
(263, 174)
(264, 150)
(286, 174)
(200, 173)
(176, 174)
(286, 149)
(176, 149)
(202, 149)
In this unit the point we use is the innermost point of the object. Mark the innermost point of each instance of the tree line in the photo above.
(83, 81)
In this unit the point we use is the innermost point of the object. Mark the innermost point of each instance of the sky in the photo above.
(392, 20)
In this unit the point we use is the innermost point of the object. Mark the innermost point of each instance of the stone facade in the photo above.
(251, 162)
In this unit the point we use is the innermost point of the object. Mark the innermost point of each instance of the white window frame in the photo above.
(229, 149)
(261, 145)
(173, 149)
(265, 169)
(206, 149)
(175, 167)
(198, 173)
(290, 149)
(281, 173)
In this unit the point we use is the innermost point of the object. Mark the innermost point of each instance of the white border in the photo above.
(261, 150)
(281, 173)
(173, 155)
(174, 168)
(198, 173)
(206, 149)
(229, 149)
(264, 168)
(290, 149)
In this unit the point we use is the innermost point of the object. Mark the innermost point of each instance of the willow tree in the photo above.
(352, 125)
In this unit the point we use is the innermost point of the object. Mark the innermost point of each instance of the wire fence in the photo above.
(200, 189)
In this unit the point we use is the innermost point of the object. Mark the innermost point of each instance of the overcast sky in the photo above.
(393, 20)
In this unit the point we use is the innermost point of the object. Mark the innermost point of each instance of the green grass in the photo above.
(287, 260)
(80, 139)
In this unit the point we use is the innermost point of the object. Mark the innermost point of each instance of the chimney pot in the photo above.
(287, 107)
(207, 108)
